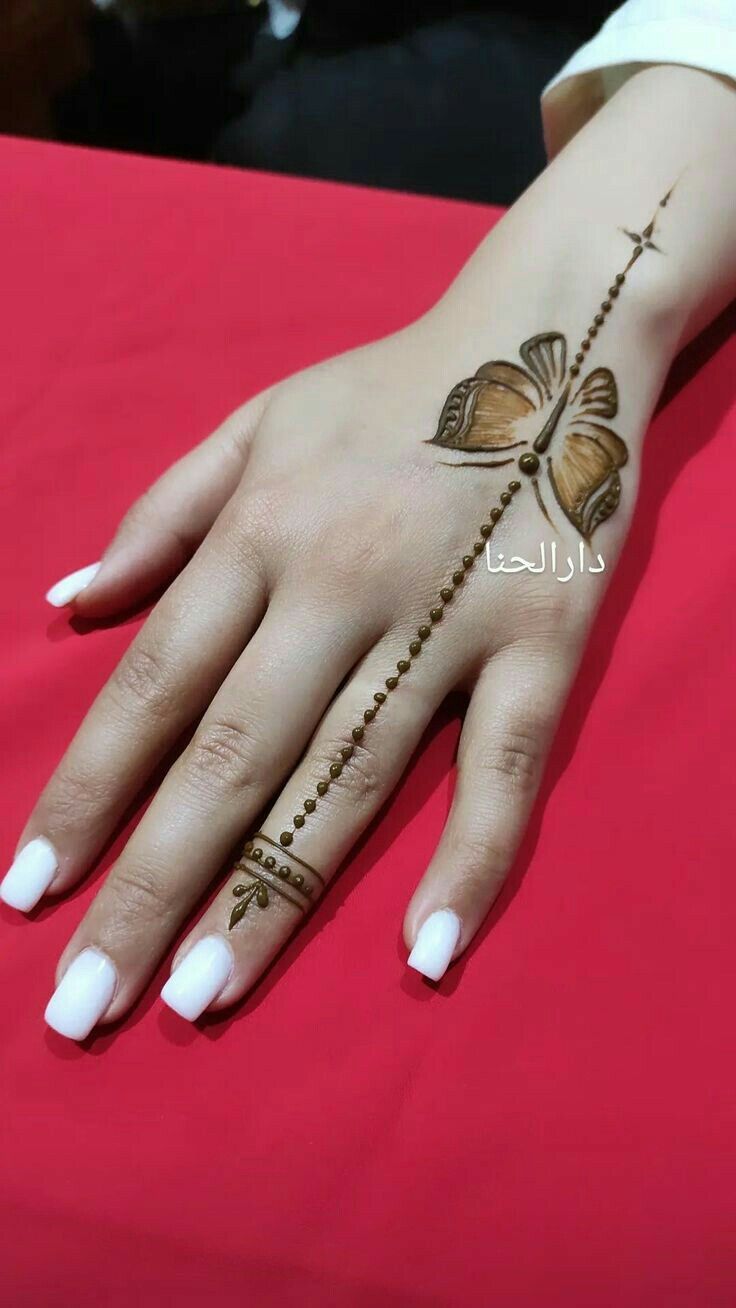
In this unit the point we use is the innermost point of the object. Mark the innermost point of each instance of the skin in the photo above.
(306, 539)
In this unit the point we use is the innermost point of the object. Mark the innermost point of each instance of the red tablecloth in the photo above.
(555, 1124)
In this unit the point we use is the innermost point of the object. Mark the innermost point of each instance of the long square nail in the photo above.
(199, 978)
(83, 995)
(435, 944)
(30, 875)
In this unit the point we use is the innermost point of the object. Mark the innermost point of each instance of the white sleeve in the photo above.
(699, 33)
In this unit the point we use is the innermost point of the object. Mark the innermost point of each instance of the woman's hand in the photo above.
(340, 589)
(326, 568)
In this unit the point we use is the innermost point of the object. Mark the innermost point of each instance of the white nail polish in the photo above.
(69, 587)
(30, 876)
(435, 944)
(199, 978)
(82, 996)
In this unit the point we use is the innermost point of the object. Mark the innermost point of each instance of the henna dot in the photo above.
(380, 697)
(403, 665)
(310, 805)
(446, 594)
(479, 547)
(598, 320)
(392, 682)
(495, 514)
(284, 872)
(620, 279)
(285, 838)
(258, 854)
(579, 356)
(297, 879)
(247, 848)
(529, 463)
(415, 648)
(424, 632)
(270, 861)
(369, 714)
(357, 733)
(307, 891)
(592, 331)
(606, 306)
(613, 292)
(458, 578)
(505, 498)
(299, 820)
(468, 561)
(322, 787)
(514, 486)
(574, 369)
(485, 530)
(335, 770)
(585, 345)
(436, 614)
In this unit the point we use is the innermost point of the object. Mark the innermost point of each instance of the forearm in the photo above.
(549, 263)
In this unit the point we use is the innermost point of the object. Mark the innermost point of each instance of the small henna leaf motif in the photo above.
(256, 890)
(541, 409)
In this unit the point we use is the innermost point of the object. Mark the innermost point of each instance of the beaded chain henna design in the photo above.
(542, 410)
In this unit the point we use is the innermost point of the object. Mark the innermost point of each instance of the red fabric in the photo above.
(555, 1123)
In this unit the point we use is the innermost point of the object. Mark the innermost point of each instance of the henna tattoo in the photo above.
(271, 874)
(258, 889)
(259, 835)
(542, 408)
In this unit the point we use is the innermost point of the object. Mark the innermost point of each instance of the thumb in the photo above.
(163, 528)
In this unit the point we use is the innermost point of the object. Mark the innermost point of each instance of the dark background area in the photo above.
(434, 98)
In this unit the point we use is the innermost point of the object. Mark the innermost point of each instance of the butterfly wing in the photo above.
(484, 412)
(585, 459)
(546, 358)
(597, 396)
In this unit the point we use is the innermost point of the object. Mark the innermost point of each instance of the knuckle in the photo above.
(139, 893)
(515, 757)
(548, 613)
(364, 776)
(482, 859)
(143, 677)
(225, 754)
(359, 555)
(361, 781)
(368, 540)
(248, 530)
(74, 798)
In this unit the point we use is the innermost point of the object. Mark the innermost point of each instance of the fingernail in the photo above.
(199, 978)
(69, 587)
(30, 875)
(435, 944)
(82, 995)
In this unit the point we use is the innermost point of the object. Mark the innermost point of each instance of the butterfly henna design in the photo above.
(559, 424)
(543, 409)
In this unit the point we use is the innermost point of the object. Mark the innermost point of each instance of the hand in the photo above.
(321, 572)
(338, 591)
